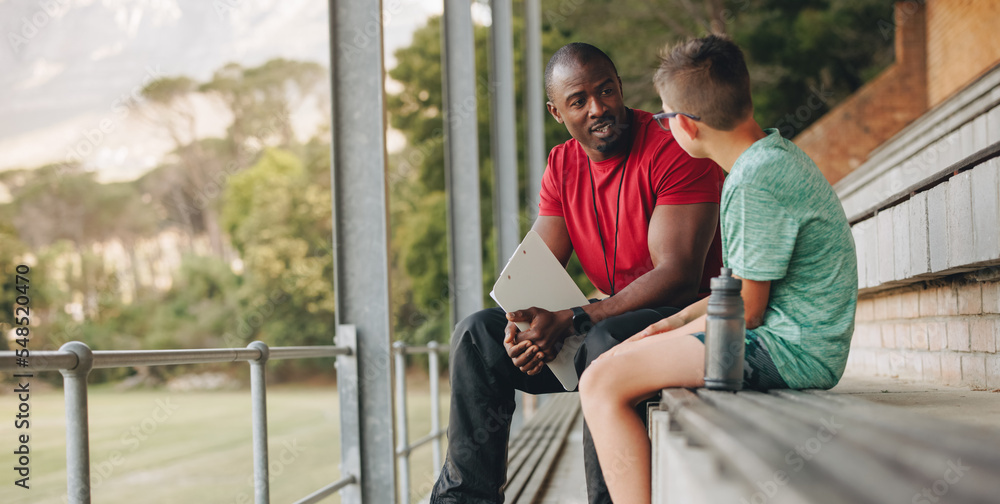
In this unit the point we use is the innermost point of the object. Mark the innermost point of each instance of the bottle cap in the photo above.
(726, 281)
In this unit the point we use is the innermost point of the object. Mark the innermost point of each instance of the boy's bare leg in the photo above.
(610, 389)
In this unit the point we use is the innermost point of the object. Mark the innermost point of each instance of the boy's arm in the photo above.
(755, 296)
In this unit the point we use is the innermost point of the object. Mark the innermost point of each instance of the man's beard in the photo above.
(616, 145)
(620, 142)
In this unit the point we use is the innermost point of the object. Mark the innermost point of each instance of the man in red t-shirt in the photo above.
(642, 217)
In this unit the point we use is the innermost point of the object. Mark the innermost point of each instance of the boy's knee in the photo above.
(590, 382)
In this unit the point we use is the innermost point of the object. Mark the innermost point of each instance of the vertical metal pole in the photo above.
(534, 99)
(402, 437)
(435, 372)
(361, 231)
(77, 430)
(350, 413)
(258, 397)
(461, 157)
(504, 131)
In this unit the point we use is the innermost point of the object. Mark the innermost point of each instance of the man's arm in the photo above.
(555, 234)
(679, 239)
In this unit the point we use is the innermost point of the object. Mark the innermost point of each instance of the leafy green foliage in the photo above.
(281, 225)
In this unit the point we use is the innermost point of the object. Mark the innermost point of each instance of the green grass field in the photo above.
(158, 446)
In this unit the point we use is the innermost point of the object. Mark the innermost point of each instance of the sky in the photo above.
(68, 68)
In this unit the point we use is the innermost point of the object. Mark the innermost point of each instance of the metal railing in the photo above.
(404, 447)
(75, 360)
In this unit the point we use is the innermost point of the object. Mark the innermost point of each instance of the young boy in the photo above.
(784, 233)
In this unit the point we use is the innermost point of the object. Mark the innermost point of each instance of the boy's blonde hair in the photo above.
(706, 77)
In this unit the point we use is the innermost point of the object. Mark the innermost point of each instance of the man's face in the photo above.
(587, 98)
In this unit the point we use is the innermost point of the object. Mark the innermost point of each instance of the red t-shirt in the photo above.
(657, 172)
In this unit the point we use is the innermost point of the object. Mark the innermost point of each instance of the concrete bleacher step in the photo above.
(814, 447)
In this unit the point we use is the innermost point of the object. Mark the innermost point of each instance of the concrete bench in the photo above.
(814, 447)
(533, 451)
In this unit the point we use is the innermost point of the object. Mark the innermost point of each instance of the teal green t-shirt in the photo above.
(782, 222)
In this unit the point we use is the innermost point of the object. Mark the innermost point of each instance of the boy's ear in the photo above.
(690, 126)
(554, 112)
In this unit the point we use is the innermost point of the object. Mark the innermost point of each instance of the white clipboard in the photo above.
(533, 277)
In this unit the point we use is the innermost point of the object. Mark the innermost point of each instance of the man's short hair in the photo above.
(574, 53)
(706, 77)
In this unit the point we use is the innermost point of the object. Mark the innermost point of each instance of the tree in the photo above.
(417, 182)
(174, 111)
(794, 49)
(262, 98)
(281, 224)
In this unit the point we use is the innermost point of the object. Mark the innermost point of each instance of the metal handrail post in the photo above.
(258, 396)
(403, 449)
(435, 404)
(77, 430)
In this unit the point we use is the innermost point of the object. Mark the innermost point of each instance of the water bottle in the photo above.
(725, 329)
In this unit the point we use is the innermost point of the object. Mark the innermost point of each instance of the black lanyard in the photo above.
(593, 196)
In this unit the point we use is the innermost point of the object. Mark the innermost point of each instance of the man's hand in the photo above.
(546, 332)
(523, 354)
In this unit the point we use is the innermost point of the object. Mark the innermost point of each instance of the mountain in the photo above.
(70, 69)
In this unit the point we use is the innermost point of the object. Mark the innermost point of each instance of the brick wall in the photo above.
(929, 254)
(962, 44)
(842, 139)
(941, 47)
(943, 331)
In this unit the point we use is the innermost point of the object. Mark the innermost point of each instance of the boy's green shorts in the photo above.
(759, 371)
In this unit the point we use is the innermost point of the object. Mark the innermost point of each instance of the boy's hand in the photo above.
(670, 323)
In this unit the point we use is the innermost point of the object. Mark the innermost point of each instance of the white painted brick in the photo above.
(912, 366)
(912, 169)
(993, 125)
(979, 133)
(886, 255)
(967, 138)
(897, 364)
(937, 226)
(860, 250)
(901, 235)
(960, 236)
(949, 150)
(919, 251)
(871, 251)
(986, 209)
